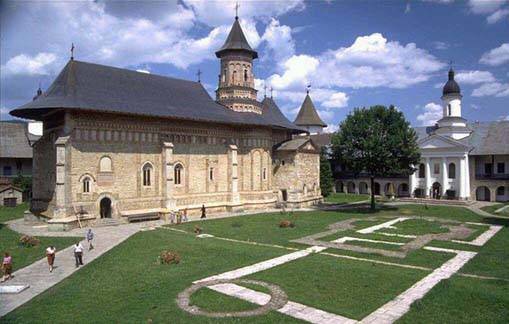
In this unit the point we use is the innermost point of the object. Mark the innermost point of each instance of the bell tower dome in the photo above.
(236, 78)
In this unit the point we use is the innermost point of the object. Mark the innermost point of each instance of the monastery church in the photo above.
(120, 145)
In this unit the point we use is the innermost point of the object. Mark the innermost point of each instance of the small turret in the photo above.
(308, 117)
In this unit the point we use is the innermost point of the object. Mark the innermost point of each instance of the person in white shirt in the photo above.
(50, 254)
(78, 254)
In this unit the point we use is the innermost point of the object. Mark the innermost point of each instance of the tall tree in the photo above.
(377, 142)
(326, 181)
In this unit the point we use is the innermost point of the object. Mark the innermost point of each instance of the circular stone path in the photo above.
(278, 299)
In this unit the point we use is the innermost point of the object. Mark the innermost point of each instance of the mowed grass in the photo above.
(9, 240)
(346, 287)
(345, 198)
(491, 209)
(462, 300)
(128, 285)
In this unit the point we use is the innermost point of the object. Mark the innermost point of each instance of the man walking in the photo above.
(78, 254)
(203, 212)
(90, 237)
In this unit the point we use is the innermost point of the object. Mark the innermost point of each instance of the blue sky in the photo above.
(353, 53)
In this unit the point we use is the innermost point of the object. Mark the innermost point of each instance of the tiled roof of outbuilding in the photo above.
(93, 87)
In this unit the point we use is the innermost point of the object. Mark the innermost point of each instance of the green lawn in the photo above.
(345, 198)
(128, 285)
(9, 240)
(491, 209)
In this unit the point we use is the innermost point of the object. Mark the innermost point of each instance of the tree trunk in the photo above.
(373, 193)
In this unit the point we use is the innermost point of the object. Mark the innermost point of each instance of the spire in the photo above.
(198, 74)
(236, 41)
(307, 115)
(451, 86)
(237, 11)
(72, 51)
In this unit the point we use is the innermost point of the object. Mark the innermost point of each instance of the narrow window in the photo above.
(422, 172)
(283, 162)
(147, 175)
(86, 185)
(452, 171)
(245, 75)
(264, 174)
(449, 109)
(211, 174)
(224, 75)
(488, 168)
(178, 174)
(436, 168)
(234, 76)
(500, 167)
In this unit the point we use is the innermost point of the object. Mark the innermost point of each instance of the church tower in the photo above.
(308, 117)
(236, 79)
(452, 124)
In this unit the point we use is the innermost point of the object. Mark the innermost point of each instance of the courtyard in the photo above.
(337, 266)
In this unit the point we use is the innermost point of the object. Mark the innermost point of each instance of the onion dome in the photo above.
(451, 87)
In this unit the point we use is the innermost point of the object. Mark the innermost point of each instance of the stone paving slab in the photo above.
(40, 279)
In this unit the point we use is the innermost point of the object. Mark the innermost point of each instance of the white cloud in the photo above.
(331, 128)
(432, 113)
(371, 61)
(22, 64)
(496, 89)
(145, 70)
(474, 77)
(336, 100)
(440, 45)
(279, 40)
(497, 16)
(326, 115)
(496, 56)
(485, 6)
(408, 8)
(214, 13)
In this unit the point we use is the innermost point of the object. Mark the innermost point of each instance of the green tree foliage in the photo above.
(378, 142)
(23, 183)
(326, 181)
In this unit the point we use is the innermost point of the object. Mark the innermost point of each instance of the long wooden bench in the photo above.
(142, 214)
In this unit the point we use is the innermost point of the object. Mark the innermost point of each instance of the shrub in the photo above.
(169, 257)
(29, 241)
(286, 223)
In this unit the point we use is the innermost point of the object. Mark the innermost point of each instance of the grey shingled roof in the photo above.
(93, 87)
(272, 112)
(293, 144)
(486, 138)
(321, 140)
(236, 41)
(307, 115)
(14, 137)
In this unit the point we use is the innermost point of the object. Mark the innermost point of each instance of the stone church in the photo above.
(118, 144)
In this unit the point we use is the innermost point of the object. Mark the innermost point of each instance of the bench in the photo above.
(142, 215)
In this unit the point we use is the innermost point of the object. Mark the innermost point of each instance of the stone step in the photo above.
(107, 222)
(438, 201)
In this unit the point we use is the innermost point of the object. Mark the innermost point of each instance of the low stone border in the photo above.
(278, 299)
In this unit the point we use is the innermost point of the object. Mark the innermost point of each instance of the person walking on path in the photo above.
(7, 267)
(90, 237)
(203, 212)
(78, 254)
(50, 254)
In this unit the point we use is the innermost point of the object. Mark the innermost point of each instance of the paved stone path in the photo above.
(396, 308)
(387, 224)
(39, 278)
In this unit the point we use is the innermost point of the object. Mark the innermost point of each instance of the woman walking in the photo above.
(90, 237)
(50, 254)
(7, 267)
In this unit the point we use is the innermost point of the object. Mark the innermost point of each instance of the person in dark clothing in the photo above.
(203, 213)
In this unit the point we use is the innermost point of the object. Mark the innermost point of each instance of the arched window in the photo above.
(147, 174)
(264, 174)
(245, 75)
(178, 173)
(86, 184)
(422, 172)
(449, 109)
(234, 76)
(105, 164)
(452, 171)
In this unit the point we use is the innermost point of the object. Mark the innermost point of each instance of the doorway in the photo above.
(105, 207)
(436, 190)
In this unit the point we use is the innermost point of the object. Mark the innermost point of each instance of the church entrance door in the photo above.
(436, 190)
(105, 208)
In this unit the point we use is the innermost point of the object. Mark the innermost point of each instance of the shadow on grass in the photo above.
(363, 209)
(496, 221)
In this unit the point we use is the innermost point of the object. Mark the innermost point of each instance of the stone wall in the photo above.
(109, 153)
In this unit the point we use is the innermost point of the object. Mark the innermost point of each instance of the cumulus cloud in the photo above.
(432, 113)
(497, 16)
(440, 45)
(371, 61)
(22, 64)
(224, 11)
(279, 40)
(496, 89)
(485, 6)
(496, 56)
(331, 128)
(474, 77)
(336, 100)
